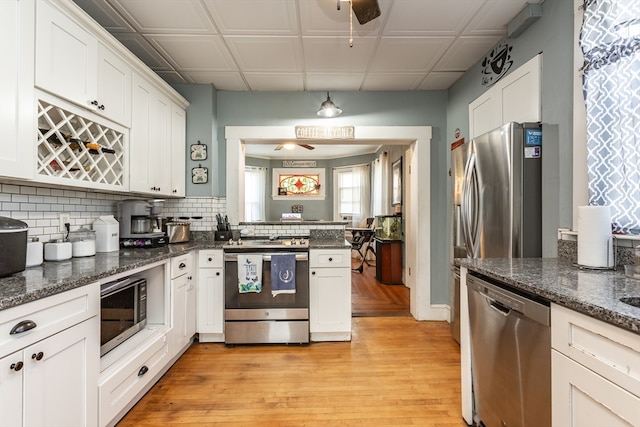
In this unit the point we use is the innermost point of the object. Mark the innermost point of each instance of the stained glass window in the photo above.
(298, 183)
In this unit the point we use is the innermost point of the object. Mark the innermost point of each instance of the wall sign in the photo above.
(298, 163)
(496, 65)
(325, 132)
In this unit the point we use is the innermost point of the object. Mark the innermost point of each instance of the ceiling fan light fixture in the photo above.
(329, 109)
(289, 145)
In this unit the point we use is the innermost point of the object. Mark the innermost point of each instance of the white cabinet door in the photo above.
(583, 398)
(150, 135)
(521, 93)
(11, 380)
(485, 114)
(211, 304)
(184, 312)
(57, 385)
(329, 300)
(114, 86)
(66, 56)
(17, 154)
(178, 153)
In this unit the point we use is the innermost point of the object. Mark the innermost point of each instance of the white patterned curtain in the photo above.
(610, 42)
(255, 179)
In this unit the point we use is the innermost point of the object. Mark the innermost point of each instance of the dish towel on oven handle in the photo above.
(283, 274)
(249, 273)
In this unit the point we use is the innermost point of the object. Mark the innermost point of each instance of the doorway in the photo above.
(417, 206)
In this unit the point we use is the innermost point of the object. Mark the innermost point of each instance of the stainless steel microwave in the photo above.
(123, 311)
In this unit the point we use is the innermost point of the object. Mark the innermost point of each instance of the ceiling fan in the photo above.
(299, 144)
(365, 10)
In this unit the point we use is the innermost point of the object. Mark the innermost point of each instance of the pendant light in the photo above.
(329, 109)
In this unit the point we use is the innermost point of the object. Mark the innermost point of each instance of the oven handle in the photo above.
(267, 256)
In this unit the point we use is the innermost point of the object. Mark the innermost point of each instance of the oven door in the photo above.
(264, 300)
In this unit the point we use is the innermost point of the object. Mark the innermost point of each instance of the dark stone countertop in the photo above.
(595, 293)
(53, 277)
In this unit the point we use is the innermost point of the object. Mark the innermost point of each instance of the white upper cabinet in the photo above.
(17, 158)
(114, 86)
(66, 57)
(515, 98)
(150, 135)
(71, 63)
(178, 146)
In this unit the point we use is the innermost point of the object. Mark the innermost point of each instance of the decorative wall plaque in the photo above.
(198, 151)
(199, 175)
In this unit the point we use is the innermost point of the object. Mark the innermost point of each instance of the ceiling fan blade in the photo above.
(365, 10)
(279, 147)
(307, 146)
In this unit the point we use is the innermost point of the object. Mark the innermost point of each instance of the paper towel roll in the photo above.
(595, 243)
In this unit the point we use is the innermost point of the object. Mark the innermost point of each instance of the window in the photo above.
(298, 184)
(610, 43)
(352, 193)
(254, 193)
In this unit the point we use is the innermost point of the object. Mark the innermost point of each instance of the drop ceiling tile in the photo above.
(440, 80)
(274, 17)
(391, 81)
(141, 48)
(266, 53)
(221, 80)
(429, 17)
(275, 81)
(408, 54)
(465, 52)
(493, 17)
(105, 15)
(334, 82)
(333, 55)
(194, 52)
(165, 16)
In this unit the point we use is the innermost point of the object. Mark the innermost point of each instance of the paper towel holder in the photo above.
(614, 242)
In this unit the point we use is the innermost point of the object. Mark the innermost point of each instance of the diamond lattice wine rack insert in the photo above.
(73, 147)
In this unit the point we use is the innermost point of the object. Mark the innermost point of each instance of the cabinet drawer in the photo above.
(50, 315)
(607, 350)
(119, 389)
(181, 265)
(211, 258)
(330, 258)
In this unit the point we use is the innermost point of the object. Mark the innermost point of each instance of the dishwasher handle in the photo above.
(501, 299)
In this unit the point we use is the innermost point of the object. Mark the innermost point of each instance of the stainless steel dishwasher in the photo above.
(510, 355)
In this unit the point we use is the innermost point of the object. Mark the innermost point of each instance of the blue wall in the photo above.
(444, 111)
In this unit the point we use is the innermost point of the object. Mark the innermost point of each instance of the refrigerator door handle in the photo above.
(476, 207)
(465, 206)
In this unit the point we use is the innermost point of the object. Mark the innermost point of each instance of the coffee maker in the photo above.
(140, 223)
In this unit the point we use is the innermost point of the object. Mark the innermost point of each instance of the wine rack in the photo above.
(73, 147)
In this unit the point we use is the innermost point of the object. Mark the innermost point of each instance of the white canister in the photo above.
(81, 248)
(57, 250)
(35, 252)
(107, 231)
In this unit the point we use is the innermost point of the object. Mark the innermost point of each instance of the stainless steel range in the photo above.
(266, 315)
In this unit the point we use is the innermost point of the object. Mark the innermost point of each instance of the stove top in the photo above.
(277, 244)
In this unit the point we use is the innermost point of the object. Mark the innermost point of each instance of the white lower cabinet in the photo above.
(595, 372)
(330, 294)
(183, 303)
(210, 323)
(119, 391)
(50, 376)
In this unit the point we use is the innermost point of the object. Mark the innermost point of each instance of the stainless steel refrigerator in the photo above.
(501, 193)
(497, 202)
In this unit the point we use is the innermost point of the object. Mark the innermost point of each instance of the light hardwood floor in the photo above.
(395, 372)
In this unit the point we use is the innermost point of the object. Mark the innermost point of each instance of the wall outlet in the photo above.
(65, 218)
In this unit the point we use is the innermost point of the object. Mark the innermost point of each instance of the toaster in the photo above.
(13, 246)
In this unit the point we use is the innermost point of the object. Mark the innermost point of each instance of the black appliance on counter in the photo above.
(13, 246)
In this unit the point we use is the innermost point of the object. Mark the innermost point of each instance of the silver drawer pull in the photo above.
(24, 326)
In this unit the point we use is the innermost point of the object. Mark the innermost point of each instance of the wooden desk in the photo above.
(389, 261)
